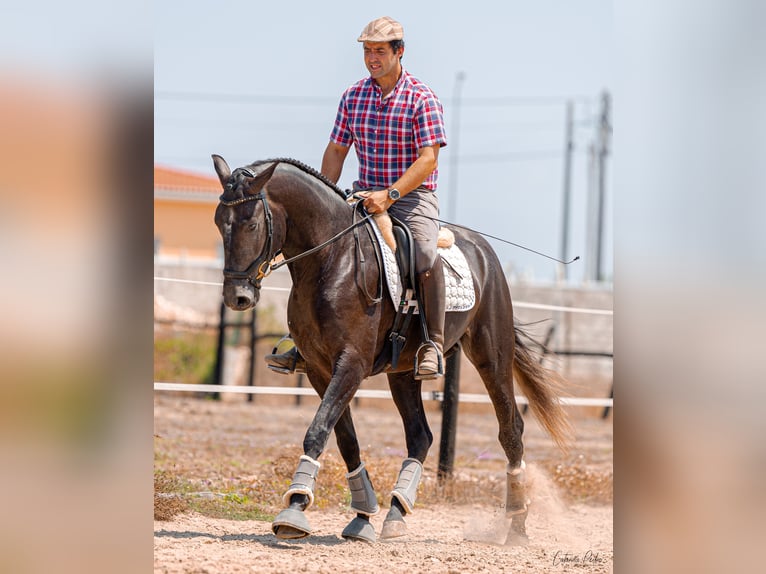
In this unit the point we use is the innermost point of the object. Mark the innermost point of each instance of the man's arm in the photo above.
(332, 161)
(421, 168)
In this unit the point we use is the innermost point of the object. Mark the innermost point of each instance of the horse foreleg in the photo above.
(292, 523)
(408, 400)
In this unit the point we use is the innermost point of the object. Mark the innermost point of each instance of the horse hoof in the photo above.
(393, 529)
(359, 529)
(291, 524)
(516, 539)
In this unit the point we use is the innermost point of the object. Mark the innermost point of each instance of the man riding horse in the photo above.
(396, 124)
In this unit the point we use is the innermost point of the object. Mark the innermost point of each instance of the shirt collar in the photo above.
(402, 78)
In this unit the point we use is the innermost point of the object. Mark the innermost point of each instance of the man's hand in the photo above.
(376, 201)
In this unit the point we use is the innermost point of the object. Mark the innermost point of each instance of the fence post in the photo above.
(449, 414)
(253, 339)
(299, 384)
(605, 414)
(219, 350)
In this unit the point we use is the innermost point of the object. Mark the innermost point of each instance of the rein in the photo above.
(316, 248)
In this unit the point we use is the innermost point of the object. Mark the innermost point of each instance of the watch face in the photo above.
(394, 194)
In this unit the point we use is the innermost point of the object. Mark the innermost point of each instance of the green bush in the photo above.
(185, 358)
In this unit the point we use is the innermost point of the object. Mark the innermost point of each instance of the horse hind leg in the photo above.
(492, 355)
(517, 505)
(364, 501)
(402, 499)
(363, 498)
(407, 396)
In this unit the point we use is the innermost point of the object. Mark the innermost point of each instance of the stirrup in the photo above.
(276, 361)
(439, 363)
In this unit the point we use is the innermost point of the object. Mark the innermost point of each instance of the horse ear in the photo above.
(257, 183)
(221, 168)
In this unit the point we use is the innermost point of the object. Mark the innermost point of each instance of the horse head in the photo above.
(244, 219)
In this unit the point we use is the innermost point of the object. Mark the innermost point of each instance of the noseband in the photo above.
(259, 268)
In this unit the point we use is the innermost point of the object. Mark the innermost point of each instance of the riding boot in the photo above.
(291, 361)
(431, 285)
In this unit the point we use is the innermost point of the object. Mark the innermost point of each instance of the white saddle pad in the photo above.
(459, 293)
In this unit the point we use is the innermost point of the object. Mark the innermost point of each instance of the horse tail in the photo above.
(542, 386)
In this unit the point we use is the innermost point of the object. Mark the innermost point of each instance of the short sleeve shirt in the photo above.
(387, 132)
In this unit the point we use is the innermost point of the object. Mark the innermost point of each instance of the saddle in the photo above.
(410, 299)
(397, 264)
(404, 254)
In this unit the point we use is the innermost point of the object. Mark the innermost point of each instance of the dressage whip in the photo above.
(503, 240)
(352, 194)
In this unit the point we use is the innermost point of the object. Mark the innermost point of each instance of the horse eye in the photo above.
(252, 227)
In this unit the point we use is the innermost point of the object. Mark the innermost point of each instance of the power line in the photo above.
(524, 101)
(293, 100)
(511, 156)
(285, 100)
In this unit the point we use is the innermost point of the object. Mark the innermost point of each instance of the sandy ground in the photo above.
(442, 538)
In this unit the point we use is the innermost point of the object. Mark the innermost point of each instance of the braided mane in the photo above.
(306, 169)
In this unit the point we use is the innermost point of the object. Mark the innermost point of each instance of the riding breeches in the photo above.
(411, 209)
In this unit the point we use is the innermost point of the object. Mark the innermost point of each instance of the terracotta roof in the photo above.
(173, 179)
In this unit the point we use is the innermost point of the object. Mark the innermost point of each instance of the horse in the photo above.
(341, 323)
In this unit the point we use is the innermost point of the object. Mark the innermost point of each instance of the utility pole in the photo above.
(568, 149)
(453, 165)
(591, 223)
(604, 141)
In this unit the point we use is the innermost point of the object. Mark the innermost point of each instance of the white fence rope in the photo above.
(520, 304)
(377, 394)
(362, 394)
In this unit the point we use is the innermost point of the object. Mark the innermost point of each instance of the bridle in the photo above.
(260, 267)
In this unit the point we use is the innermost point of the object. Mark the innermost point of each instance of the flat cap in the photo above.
(383, 29)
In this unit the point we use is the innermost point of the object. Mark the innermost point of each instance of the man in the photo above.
(396, 124)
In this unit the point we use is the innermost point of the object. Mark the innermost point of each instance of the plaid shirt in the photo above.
(387, 133)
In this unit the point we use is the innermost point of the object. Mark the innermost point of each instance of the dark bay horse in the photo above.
(341, 326)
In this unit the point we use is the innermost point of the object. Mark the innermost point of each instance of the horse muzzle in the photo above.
(240, 295)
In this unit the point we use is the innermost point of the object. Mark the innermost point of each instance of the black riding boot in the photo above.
(286, 363)
(431, 285)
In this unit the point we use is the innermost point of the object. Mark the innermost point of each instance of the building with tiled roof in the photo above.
(184, 206)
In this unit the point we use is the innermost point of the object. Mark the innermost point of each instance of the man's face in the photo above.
(380, 59)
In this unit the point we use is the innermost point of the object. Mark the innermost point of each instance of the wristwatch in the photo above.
(393, 194)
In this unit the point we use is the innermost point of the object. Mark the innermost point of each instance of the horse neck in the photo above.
(312, 215)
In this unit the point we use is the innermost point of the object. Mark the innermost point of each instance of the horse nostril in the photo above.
(243, 301)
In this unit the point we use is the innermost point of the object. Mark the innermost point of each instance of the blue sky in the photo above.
(255, 80)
